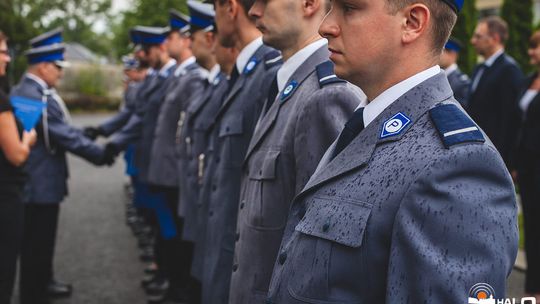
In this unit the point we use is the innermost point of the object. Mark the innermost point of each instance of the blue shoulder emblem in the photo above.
(454, 126)
(326, 75)
(395, 125)
(250, 66)
(272, 58)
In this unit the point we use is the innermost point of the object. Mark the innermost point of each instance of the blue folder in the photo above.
(27, 110)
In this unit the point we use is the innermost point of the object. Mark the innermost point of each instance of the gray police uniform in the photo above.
(187, 83)
(284, 151)
(460, 84)
(155, 95)
(121, 118)
(193, 142)
(47, 166)
(418, 208)
(235, 122)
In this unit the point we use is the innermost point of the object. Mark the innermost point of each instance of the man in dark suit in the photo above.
(250, 80)
(47, 166)
(495, 86)
(458, 80)
(412, 203)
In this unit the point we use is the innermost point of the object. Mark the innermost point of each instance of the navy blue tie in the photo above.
(272, 93)
(352, 128)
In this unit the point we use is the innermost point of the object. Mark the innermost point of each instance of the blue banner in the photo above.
(28, 111)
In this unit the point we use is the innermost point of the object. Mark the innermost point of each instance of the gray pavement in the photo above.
(95, 249)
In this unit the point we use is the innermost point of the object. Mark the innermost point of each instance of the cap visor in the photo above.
(62, 63)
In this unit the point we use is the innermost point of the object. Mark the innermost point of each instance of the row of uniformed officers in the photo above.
(257, 191)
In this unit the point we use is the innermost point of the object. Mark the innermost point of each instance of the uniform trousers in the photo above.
(529, 183)
(11, 227)
(37, 252)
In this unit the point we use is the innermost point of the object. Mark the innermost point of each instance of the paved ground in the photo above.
(96, 251)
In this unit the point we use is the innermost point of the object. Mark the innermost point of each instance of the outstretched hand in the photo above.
(109, 155)
(92, 132)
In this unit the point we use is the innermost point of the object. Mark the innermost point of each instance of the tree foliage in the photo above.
(519, 15)
(143, 12)
(463, 31)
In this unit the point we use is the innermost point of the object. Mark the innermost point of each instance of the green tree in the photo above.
(519, 15)
(463, 31)
(144, 12)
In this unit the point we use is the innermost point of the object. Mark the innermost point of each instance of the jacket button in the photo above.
(237, 236)
(217, 160)
(214, 187)
(325, 227)
(282, 258)
(269, 301)
(242, 204)
(234, 267)
(211, 213)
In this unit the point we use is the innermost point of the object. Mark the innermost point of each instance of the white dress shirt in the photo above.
(386, 98)
(247, 52)
(295, 61)
(451, 69)
(213, 74)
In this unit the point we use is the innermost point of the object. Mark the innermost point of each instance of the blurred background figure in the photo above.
(459, 81)
(495, 86)
(14, 150)
(528, 168)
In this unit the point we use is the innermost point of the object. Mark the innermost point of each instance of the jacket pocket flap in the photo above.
(232, 126)
(264, 165)
(337, 220)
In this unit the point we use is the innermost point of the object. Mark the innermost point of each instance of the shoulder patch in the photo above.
(454, 126)
(250, 66)
(326, 75)
(272, 58)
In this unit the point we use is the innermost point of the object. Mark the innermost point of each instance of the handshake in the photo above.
(110, 152)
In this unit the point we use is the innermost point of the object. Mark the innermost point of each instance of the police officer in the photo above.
(459, 81)
(187, 82)
(412, 203)
(47, 166)
(295, 129)
(254, 71)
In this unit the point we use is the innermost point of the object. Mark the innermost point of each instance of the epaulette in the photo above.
(326, 75)
(272, 58)
(454, 126)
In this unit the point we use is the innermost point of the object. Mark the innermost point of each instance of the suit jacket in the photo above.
(121, 118)
(163, 170)
(528, 142)
(460, 84)
(283, 153)
(234, 124)
(156, 92)
(417, 216)
(192, 153)
(46, 166)
(493, 104)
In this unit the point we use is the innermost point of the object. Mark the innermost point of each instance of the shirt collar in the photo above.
(39, 81)
(295, 61)
(452, 68)
(489, 62)
(182, 66)
(247, 52)
(386, 98)
(214, 72)
(165, 68)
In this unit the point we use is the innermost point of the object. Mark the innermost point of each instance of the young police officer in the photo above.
(412, 203)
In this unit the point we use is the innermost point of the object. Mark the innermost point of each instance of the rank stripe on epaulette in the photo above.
(327, 78)
(454, 126)
(274, 60)
(464, 130)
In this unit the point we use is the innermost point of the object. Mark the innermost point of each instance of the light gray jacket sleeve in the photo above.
(456, 226)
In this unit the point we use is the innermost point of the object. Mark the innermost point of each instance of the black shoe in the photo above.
(171, 296)
(58, 289)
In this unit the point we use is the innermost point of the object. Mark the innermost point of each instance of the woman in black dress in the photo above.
(527, 163)
(14, 150)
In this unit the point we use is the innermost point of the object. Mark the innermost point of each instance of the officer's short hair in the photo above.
(3, 37)
(496, 26)
(444, 19)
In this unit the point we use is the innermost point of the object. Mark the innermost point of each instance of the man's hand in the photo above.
(109, 155)
(92, 132)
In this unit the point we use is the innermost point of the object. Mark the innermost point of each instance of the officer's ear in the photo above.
(416, 20)
(311, 7)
